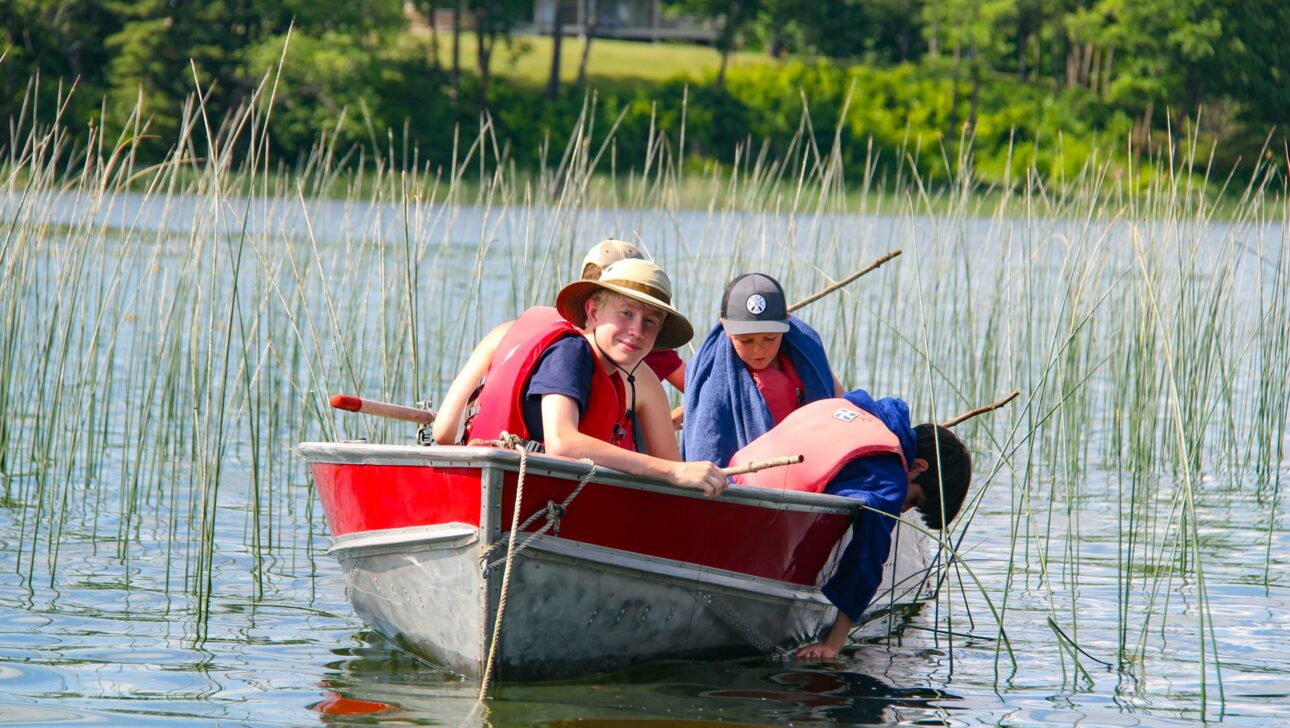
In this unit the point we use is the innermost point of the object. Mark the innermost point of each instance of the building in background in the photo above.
(625, 19)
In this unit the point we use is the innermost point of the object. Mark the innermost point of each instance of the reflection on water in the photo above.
(378, 679)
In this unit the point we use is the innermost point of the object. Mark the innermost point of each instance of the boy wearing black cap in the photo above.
(755, 367)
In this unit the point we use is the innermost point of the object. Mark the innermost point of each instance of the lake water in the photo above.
(104, 618)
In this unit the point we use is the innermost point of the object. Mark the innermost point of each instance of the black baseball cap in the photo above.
(754, 304)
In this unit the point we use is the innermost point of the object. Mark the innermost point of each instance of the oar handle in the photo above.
(350, 403)
(763, 465)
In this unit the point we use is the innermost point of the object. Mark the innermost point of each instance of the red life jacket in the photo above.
(828, 433)
(501, 401)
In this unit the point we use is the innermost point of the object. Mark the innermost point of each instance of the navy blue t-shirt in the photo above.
(566, 367)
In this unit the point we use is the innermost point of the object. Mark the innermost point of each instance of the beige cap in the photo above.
(607, 252)
(639, 280)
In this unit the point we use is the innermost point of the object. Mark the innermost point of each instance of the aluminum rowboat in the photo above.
(640, 569)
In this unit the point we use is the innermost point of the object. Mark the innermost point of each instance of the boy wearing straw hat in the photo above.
(665, 363)
(661, 363)
(566, 383)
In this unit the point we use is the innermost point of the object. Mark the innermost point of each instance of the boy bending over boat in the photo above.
(862, 448)
(664, 364)
(757, 365)
(565, 377)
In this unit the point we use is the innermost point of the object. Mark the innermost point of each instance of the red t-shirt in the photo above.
(781, 388)
(663, 362)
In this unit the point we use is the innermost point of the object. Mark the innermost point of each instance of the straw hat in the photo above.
(608, 252)
(639, 280)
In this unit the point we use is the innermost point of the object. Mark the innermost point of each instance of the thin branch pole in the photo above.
(844, 282)
(981, 410)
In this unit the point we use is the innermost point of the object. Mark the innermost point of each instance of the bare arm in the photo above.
(827, 649)
(677, 378)
(653, 411)
(452, 409)
(560, 425)
(837, 387)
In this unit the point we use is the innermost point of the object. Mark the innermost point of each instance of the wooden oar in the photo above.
(350, 403)
(763, 465)
(981, 410)
(844, 282)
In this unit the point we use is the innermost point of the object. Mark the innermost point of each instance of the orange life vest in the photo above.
(501, 401)
(828, 433)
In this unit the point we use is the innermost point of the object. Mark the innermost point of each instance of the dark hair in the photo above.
(942, 494)
(591, 272)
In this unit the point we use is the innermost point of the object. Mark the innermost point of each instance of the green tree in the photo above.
(1164, 50)
(1251, 62)
(731, 16)
(977, 34)
(494, 20)
(879, 30)
(57, 41)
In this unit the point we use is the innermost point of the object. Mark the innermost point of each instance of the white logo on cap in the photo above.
(845, 415)
(756, 304)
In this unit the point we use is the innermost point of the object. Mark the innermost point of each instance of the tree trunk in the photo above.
(456, 48)
(727, 41)
(1143, 132)
(1106, 72)
(954, 96)
(557, 39)
(1023, 48)
(590, 21)
(434, 38)
(777, 46)
(484, 57)
(1095, 76)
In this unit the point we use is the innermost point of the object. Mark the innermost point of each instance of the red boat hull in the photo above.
(680, 573)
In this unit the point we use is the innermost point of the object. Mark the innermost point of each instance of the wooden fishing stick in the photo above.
(350, 403)
(844, 282)
(763, 465)
(981, 410)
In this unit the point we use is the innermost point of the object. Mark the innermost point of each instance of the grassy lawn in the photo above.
(527, 60)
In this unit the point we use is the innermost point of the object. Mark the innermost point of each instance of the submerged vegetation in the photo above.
(170, 330)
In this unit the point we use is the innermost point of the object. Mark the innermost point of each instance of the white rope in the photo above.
(506, 573)
(554, 513)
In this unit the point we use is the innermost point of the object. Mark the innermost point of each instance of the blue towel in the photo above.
(894, 413)
(723, 409)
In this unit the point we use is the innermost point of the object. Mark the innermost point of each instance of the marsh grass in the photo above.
(171, 330)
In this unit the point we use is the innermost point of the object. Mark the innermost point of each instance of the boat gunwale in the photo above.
(484, 458)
